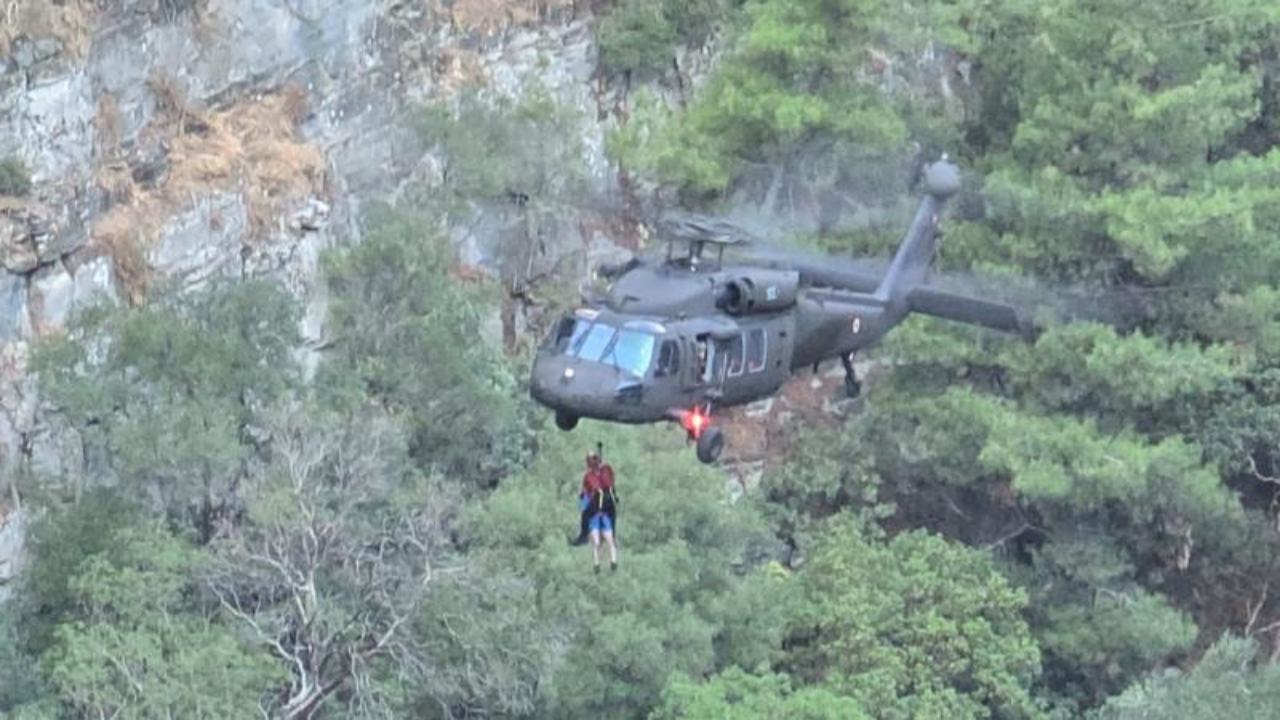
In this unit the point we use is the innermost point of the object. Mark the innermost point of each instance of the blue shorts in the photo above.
(599, 522)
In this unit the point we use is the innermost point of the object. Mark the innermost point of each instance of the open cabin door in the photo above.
(706, 366)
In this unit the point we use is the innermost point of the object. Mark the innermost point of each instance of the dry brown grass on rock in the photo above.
(172, 103)
(482, 15)
(107, 124)
(251, 148)
(275, 166)
(115, 180)
(491, 16)
(69, 23)
(122, 233)
(203, 162)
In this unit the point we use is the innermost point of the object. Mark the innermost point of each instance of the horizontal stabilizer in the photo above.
(974, 311)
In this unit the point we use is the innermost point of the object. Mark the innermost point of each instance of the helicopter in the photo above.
(681, 337)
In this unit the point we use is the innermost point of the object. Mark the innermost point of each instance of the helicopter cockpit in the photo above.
(628, 346)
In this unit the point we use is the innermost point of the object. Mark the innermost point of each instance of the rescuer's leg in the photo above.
(596, 522)
(613, 550)
(585, 519)
(611, 509)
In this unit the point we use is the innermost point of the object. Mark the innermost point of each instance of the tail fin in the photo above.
(911, 263)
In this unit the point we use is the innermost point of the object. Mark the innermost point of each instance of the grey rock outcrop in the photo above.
(14, 321)
(203, 241)
(52, 295)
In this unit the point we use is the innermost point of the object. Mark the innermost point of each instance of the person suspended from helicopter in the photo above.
(598, 503)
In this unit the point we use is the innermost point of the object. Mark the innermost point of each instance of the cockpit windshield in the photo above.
(627, 349)
(632, 350)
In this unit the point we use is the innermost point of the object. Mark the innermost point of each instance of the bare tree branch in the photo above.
(329, 571)
(1253, 468)
(1255, 609)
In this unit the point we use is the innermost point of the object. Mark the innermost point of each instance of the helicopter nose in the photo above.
(553, 380)
(564, 383)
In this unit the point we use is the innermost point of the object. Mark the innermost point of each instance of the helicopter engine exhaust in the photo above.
(764, 291)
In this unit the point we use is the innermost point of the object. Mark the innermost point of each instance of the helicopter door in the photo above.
(733, 350)
(707, 365)
(668, 359)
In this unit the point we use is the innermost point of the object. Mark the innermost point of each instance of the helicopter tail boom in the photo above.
(915, 255)
(971, 310)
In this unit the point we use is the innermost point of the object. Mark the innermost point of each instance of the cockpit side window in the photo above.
(705, 354)
(755, 350)
(668, 359)
(563, 332)
(733, 355)
(566, 335)
(579, 329)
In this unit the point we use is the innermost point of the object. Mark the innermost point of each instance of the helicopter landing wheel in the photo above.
(566, 421)
(852, 388)
(710, 445)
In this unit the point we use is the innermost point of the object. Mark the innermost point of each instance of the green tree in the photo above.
(1134, 150)
(409, 338)
(799, 92)
(138, 647)
(1098, 628)
(1106, 147)
(171, 390)
(488, 647)
(342, 541)
(639, 38)
(23, 682)
(744, 696)
(57, 541)
(1225, 683)
(913, 627)
(838, 477)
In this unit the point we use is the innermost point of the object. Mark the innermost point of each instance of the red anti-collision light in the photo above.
(695, 422)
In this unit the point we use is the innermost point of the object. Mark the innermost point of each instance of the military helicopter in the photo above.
(678, 338)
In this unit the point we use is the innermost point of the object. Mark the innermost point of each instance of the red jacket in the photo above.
(601, 478)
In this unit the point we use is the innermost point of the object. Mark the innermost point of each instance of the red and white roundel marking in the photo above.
(857, 325)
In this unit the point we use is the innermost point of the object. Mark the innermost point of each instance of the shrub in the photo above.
(15, 180)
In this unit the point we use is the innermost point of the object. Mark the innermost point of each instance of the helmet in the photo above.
(592, 459)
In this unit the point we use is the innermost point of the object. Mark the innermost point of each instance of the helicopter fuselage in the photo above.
(670, 339)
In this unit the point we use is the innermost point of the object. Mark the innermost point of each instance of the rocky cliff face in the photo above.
(182, 140)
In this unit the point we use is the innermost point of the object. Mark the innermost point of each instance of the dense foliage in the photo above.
(1083, 525)
(15, 180)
